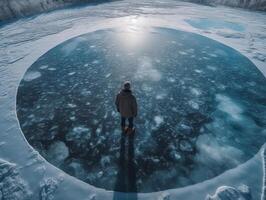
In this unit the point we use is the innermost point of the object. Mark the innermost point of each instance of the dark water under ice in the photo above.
(202, 108)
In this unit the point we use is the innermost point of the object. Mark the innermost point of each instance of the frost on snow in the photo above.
(12, 186)
(48, 188)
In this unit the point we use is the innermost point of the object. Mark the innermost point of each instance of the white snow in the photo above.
(49, 187)
(12, 186)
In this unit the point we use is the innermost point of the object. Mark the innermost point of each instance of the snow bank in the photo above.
(251, 4)
(19, 8)
(230, 193)
(12, 186)
(49, 187)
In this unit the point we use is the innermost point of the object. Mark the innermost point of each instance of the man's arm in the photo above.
(117, 103)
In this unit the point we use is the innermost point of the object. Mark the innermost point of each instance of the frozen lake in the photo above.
(201, 108)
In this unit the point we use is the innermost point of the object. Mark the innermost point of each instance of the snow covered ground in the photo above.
(24, 174)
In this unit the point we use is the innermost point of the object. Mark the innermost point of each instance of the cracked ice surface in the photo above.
(23, 41)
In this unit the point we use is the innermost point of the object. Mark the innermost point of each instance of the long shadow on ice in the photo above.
(125, 186)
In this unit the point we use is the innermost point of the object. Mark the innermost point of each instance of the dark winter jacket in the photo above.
(126, 104)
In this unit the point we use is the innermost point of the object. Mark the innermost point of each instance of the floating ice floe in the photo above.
(158, 120)
(57, 152)
(30, 76)
(185, 145)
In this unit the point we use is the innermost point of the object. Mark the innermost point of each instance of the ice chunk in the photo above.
(78, 169)
(158, 120)
(185, 146)
(160, 96)
(100, 174)
(185, 129)
(72, 118)
(199, 71)
(71, 105)
(171, 80)
(193, 104)
(175, 155)
(44, 67)
(195, 91)
(79, 135)
(230, 193)
(105, 160)
(29, 76)
(57, 152)
(108, 75)
(98, 130)
(95, 62)
(71, 73)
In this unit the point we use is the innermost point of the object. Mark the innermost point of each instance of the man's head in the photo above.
(127, 85)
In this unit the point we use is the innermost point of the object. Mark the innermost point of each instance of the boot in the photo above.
(123, 129)
(130, 130)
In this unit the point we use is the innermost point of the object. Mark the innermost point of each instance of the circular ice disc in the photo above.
(201, 105)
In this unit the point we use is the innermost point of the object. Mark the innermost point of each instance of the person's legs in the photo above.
(123, 122)
(130, 122)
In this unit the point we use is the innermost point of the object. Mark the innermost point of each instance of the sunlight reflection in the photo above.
(135, 32)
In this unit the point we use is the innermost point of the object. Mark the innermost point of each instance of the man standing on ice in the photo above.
(126, 105)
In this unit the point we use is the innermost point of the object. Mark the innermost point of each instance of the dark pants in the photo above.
(130, 122)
